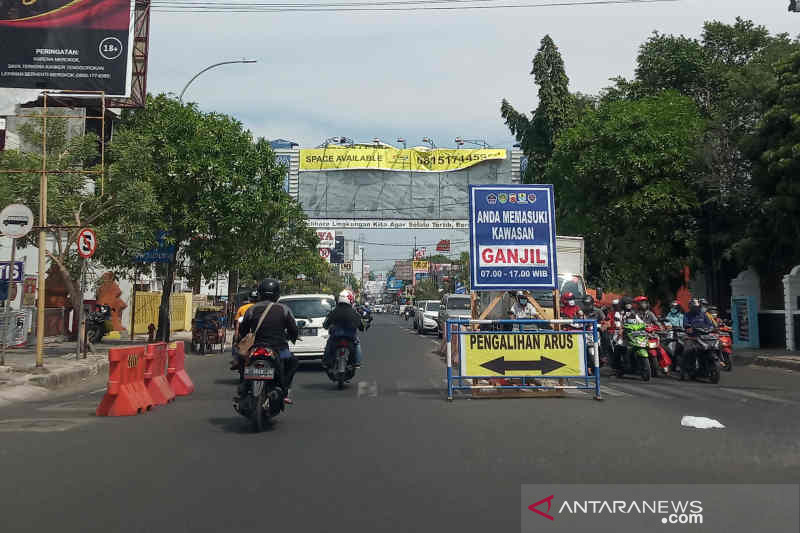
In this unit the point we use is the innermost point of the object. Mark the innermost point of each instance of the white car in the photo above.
(310, 311)
(427, 316)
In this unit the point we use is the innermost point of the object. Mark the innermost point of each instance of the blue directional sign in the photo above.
(512, 235)
(7, 273)
(161, 254)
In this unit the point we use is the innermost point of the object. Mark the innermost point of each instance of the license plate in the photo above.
(255, 372)
(308, 332)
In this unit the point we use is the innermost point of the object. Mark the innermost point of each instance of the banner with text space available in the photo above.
(512, 237)
(491, 354)
(394, 159)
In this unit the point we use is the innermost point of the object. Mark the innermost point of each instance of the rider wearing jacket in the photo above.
(277, 328)
(569, 308)
(644, 312)
(675, 316)
(693, 320)
(343, 321)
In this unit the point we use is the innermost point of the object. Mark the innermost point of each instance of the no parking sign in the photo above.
(87, 243)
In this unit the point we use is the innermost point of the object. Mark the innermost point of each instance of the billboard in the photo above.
(512, 237)
(80, 45)
(352, 194)
(394, 159)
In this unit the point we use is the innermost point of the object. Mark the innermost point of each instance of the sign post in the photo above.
(16, 220)
(87, 246)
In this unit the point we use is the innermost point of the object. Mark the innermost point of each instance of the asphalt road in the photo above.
(388, 453)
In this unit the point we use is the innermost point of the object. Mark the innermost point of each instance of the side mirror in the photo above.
(599, 293)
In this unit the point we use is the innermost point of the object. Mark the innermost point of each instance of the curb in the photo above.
(92, 366)
(777, 362)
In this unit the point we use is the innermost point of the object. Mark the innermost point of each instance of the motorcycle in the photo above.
(342, 368)
(672, 340)
(261, 396)
(702, 362)
(96, 323)
(631, 354)
(660, 361)
(726, 348)
(366, 319)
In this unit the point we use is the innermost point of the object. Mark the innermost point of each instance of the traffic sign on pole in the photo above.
(87, 243)
(512, 235)
(16, 220)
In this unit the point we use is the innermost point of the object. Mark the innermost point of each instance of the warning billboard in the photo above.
(80, 45)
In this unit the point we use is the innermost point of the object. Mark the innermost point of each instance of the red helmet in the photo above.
(566, 296)
(640, 299)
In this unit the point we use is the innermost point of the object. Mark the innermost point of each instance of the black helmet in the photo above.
(253, 297)
(269, 289)
(588, 301)
(626, 302)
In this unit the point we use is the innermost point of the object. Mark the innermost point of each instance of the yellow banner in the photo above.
(419, 266)
(387, 158)
(522, 354)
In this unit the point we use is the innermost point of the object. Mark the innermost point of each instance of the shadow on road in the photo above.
(239, 425)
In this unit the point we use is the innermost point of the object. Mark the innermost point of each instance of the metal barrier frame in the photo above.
(590, 382)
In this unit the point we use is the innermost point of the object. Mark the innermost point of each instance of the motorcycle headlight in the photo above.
(652, 344)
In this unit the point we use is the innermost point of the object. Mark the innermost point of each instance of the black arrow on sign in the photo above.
(500, 365)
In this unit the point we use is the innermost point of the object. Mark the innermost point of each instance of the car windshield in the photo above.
(573, 284)
(458, 304)
(311, 307)
(432, 306)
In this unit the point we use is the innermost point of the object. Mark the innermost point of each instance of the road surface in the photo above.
(388, 453)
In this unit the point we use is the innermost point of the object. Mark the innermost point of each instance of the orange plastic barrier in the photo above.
(126, 394)
(155, 377)
(176, 373)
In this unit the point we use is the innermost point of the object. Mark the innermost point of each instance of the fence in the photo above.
(147, 305)
(523, 355)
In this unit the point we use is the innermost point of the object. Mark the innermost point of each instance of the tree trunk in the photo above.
(163, 331)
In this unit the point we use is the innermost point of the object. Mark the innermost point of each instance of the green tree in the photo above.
(113, 205)
(220, 195)
(426, 290)
(771, 242)
(623, 178)
(555, 112)
(726, 72)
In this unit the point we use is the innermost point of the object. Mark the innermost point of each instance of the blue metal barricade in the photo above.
(509, 353)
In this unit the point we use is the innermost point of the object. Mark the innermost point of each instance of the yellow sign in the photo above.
(522, 354)
(387, 158)
(419, 266)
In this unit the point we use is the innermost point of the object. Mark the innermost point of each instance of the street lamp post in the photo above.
(180, 98)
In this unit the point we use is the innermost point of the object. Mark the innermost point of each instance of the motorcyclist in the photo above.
(628, 313)
(644, 312)
(237, 319)
(343, 321)
(569, 309)
(277, 328)
(675, 316)
(694, 320)
(590, 311)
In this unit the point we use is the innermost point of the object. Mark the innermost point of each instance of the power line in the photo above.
(409, 245)
(175, 6)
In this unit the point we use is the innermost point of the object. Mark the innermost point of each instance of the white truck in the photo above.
(570, 260)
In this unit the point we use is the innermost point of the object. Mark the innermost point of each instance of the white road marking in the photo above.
(367, 388)
(756, 395)
(98, 391)
(611, 392)
(642, 390)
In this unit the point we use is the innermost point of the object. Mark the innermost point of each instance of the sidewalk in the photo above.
(774, 357)
(20, 380)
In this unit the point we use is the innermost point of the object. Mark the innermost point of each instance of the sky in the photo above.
(413, 75)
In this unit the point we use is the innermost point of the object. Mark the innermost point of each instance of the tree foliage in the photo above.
(219, 192)
(555, 112)
(116, 206)
(771, 242)
(624, 178)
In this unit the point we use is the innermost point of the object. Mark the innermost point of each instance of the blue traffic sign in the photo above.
(512, 235)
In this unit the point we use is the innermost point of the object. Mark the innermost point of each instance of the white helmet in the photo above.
(347, 297)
